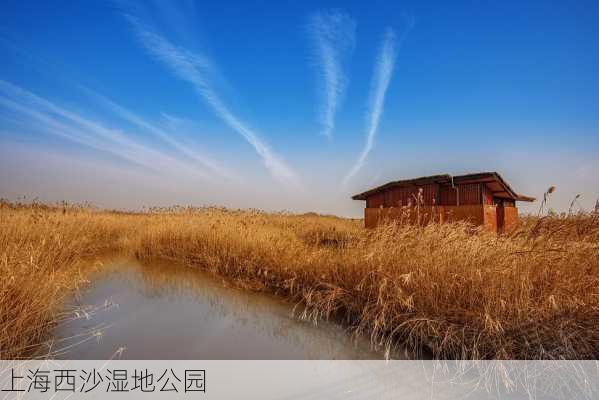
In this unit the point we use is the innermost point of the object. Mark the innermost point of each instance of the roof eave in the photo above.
(522, 197)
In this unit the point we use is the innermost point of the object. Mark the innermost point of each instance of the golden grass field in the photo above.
(451, 289)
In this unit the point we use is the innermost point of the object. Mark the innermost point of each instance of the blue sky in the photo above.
(294, 105)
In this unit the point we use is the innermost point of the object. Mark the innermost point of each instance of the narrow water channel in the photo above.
(164, 311)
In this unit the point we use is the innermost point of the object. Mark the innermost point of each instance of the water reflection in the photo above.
(164, 311)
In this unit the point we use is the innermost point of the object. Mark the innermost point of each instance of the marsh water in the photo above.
(164, 311)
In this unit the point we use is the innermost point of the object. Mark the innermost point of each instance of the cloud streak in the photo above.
(37, 114)
(198, 69)
(162, 134)
(380, 82)
(333, 34)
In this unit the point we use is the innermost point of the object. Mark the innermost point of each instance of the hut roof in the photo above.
(493, 180)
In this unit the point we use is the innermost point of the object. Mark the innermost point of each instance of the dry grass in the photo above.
(461, 294)
(41, 251)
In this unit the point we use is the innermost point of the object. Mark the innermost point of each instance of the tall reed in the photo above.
(42, 250)
(452, 289)
(458, 291)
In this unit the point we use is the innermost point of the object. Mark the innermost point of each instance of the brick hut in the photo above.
(483, 199)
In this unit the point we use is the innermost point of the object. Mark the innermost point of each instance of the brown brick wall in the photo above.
(490, 217)
(471, 213)
(374, 216)
(485, 215)
(511, 218)
(423, 215)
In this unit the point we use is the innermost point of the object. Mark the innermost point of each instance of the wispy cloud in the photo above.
(38, 114)
(333, 34)
(198, 69)
(163, 135)
(380, 83)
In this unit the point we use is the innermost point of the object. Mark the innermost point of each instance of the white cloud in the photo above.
(167, 137)
(380, 83)
(197, 70)
(37, 114)
(334, 38)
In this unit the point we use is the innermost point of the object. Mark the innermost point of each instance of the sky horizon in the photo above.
(294, 106)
